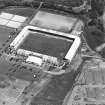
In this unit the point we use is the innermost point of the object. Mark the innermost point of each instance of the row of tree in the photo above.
(51, 4)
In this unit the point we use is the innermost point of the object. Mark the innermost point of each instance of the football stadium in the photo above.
(42, 42)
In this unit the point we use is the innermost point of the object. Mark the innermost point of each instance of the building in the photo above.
(45, 47)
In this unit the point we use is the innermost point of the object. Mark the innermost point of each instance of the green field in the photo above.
(28, 12)
(40, 43)
(4, 34)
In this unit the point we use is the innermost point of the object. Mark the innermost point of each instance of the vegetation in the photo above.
(64, 5)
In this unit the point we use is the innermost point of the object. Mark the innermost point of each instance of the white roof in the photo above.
(34, 59)
(6, 15)
(19, 18)
(11, 20)
(13, 24)
(3, 21)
